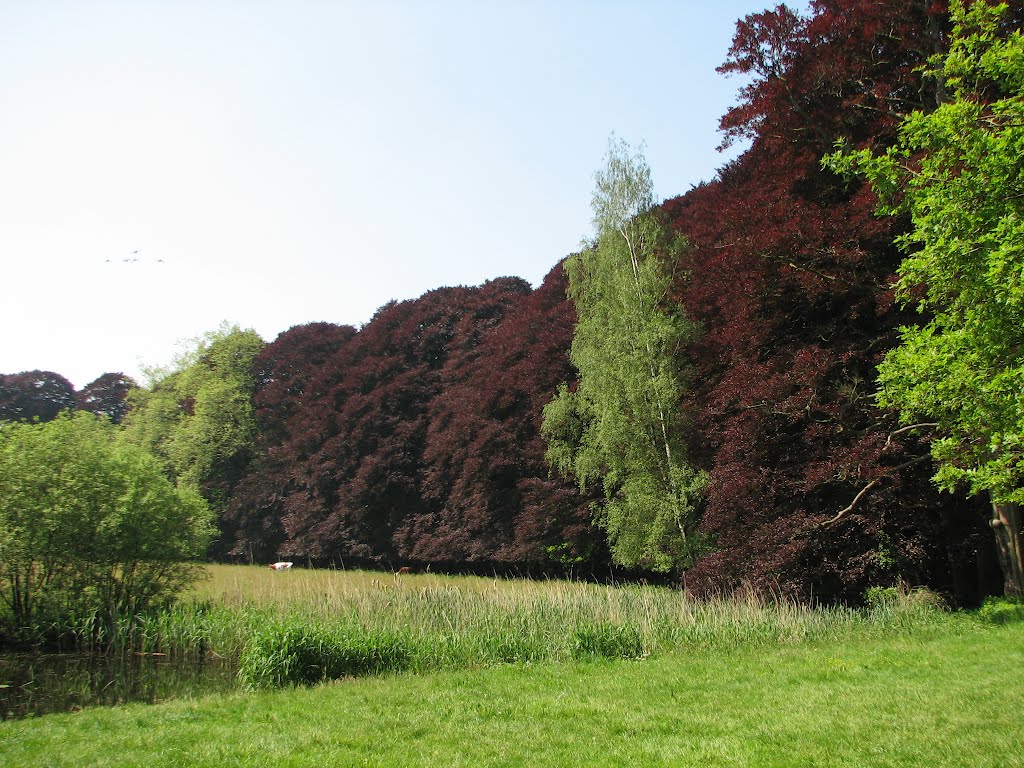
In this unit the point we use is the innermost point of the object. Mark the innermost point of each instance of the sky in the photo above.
(169, 165)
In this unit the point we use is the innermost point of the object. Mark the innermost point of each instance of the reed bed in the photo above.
(304, 625)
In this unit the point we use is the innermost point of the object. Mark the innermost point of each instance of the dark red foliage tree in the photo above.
(348, 467)
(363, 447)
(416, 439)
(290, 376)
(34, 395)
(487, 490)
(789, 271)
(106, 396)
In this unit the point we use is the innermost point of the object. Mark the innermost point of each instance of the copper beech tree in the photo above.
(415, 438)
(958, 172)
(788, 272)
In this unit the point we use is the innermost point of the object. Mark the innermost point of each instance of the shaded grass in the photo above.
(951, 696)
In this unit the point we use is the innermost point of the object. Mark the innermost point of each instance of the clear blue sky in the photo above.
(276, 163)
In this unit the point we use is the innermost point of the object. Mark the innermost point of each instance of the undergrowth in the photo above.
(307, 626)
(1001, 610)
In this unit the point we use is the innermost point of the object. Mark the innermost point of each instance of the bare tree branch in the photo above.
(888, 440)
(856, 499)
(842, 512)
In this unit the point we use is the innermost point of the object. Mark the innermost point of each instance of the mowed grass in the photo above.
(950, 695)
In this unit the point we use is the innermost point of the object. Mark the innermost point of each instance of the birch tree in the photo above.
(621, 426)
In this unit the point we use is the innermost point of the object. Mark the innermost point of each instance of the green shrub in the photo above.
(514, 649)
(1001, 610)
(881, 597)
(92, 532)
(297, 652)
(608, 641)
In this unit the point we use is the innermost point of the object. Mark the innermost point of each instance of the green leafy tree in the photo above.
(90, 526)
(198, 417)
(621, 426)
(959, 173)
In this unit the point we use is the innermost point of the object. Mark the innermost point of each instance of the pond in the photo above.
(39, 684)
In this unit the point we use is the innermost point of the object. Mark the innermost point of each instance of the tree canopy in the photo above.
(198, 418)
(34, 395)
(736, 329)
(106, 396)
(958, 171)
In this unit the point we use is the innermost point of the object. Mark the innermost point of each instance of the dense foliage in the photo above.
(34, 395)
(198, 418)
(789, 273)
(106, 396)
(91, 530)
(957, 171)
(416, 439)
(43, 395)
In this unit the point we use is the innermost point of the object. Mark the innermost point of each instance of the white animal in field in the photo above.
(279, 566)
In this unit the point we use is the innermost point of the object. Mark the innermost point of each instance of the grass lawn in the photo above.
(949, 695)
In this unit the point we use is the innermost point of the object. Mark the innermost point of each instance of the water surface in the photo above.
(39, 684)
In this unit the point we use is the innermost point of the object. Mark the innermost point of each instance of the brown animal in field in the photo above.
(282, 566)
(404, 569)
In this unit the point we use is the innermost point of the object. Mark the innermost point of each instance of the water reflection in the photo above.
(38, 684)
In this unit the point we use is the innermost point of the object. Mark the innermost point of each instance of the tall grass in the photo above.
(425, 622)
(307, 625)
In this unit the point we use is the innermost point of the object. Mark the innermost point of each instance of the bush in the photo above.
(1001, 610)
(881, 597)
(297, 652)
(608, 641)
(512, 649)
(92, 533)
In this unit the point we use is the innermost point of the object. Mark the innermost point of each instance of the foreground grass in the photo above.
(950, 694)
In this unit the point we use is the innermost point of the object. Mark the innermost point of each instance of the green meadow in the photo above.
(447, 671)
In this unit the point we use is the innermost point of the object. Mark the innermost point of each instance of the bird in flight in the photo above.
(133, 258)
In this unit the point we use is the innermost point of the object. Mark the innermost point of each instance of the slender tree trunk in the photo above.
(1006, 525)
(662, 418)
(940, 46)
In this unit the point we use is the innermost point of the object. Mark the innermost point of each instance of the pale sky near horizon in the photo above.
(277, 163)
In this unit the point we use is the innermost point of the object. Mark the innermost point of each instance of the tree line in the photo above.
(785, 378)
